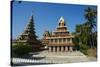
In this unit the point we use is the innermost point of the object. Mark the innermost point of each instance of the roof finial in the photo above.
(61, 20)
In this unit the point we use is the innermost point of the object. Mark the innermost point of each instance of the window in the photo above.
(55, 40)
(51, 40)
(64, 39)
(59, 40)
(68, 39)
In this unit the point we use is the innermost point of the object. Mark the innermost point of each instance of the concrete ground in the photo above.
(65, 57)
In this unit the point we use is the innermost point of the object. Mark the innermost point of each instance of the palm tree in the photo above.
(91, 17)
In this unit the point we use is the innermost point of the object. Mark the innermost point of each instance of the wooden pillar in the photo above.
(66, 40)
(61, 40)
(62, 49)
(71, 48)
(57, 48)
(49, 48)
(54, 49)
(70, 40)
(66, 48)
(57, 40)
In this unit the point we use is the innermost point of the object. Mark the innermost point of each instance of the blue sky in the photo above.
(46, 16)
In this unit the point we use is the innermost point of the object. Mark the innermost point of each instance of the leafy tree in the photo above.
(86, 33)
(21, 49)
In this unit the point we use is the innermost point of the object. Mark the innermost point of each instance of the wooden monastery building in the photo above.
(60, 39)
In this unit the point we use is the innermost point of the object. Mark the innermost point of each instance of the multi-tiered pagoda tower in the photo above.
(60, 39)
(28, 36)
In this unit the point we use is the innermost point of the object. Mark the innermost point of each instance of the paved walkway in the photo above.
(56, 54)
(64, 57)
(56, 58)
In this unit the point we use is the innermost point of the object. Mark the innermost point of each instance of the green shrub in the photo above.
(21, 49)
(84, 48)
